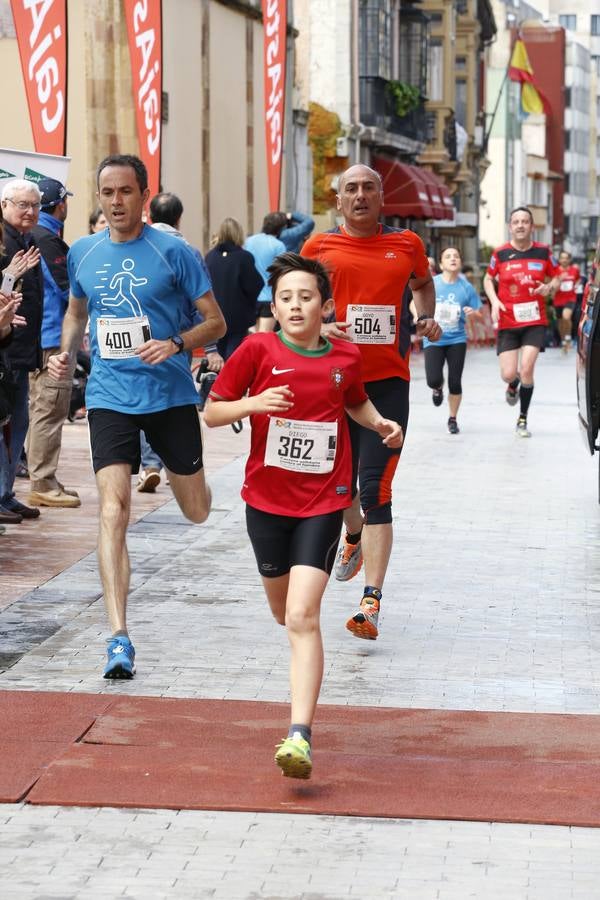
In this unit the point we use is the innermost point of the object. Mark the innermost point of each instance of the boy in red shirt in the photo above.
(299, 473)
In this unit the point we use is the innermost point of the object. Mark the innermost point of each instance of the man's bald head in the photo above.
(359, 199)
(359, 171)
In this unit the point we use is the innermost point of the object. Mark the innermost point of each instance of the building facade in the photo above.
(213, 111)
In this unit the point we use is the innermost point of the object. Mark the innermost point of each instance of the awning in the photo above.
(405, 193)
(435, 187)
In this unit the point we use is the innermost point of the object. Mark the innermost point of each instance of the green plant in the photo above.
(403, 97)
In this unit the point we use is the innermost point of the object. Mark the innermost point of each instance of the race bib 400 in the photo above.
(119, 338)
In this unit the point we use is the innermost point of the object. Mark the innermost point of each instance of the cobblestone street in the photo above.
(492, 603)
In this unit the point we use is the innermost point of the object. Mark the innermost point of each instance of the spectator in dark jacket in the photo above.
(236, 284)
(20, 210)
(49, 399)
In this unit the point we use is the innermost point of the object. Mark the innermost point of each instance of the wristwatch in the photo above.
(178, 341)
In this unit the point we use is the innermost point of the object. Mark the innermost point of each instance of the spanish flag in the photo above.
(532, 99)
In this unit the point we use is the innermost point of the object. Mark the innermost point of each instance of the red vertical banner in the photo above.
(144, 30)
(275, 25)
(41, 27)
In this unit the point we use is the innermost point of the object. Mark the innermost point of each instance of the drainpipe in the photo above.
(358, 128)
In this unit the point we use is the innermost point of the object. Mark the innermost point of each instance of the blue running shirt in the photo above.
(450, 302)
(155, 275)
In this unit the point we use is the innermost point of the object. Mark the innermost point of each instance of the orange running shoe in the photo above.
(363, 624)
(348, 561)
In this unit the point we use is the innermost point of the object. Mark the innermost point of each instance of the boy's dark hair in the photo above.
(129, 161)
(293, 262)
(521, 209)
(274, 223)
(166, 208)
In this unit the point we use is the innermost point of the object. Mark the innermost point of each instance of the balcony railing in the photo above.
(377, 109)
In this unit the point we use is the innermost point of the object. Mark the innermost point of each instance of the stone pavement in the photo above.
(491, 604)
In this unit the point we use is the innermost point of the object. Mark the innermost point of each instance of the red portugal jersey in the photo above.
(300, 462)
(517, 274)
(369, 278)
(569, 279)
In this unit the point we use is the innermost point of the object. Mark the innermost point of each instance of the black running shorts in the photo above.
(559, 309)
(280, 542)
(515, 338)
(172, 433)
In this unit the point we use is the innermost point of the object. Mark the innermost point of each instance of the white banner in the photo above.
(34, 166)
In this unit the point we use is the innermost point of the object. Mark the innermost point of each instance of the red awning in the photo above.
(405, 194)
(435, 187)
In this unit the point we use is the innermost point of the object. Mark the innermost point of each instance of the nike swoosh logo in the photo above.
(196, 461)
(276, 371)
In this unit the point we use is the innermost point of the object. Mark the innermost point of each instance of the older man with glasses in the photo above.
(20, 202)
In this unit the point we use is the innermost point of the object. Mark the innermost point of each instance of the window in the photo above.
(375, 38)
(568, 22)
(460, 101)
(435, 70)
(412, 55)
(595, 25)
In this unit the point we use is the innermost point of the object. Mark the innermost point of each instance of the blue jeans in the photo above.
(150, 459)
(19, 423)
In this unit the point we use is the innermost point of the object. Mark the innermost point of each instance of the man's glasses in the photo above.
(23, 204)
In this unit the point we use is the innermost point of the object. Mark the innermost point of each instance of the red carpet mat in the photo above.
(35, 730)
(207, 754)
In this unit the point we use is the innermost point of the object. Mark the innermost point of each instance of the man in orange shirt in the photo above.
(371, 266)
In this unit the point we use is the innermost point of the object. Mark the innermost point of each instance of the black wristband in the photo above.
(422, 318)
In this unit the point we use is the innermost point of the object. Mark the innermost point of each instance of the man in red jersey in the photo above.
(521, 274)
(566, 296)
(371, 266)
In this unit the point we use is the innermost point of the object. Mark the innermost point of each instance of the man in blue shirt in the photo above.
(48, 399)
(297, 227)
(136, 284)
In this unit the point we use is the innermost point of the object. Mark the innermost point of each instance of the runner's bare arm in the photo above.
(423, 291)
(366, 414)
(210, 330)
(548, 288)
(335, 330)
(224, 412)
(73, 330)
(489, 286)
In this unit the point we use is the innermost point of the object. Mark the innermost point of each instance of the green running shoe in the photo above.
(294, 757)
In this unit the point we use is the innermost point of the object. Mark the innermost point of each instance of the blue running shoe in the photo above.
(121, 658)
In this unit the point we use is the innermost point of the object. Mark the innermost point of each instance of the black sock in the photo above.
(353, 538)
(525, 395)
(370, 591)
(514, 384)
(305, 731)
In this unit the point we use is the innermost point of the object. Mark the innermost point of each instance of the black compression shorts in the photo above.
(280, 542)
(172, 433)
(374, 462)
(515, 338)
